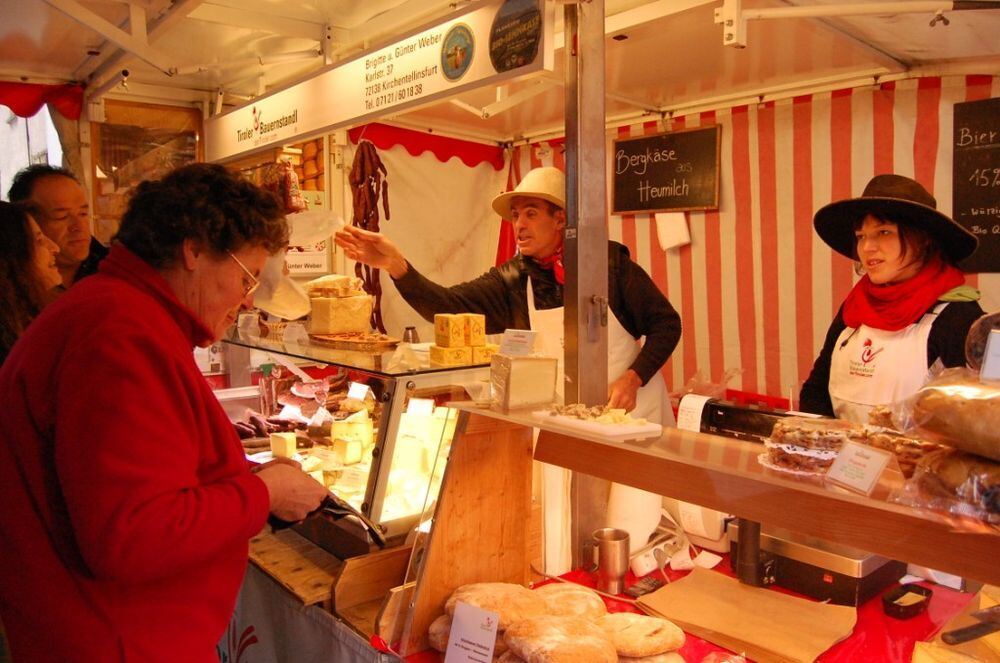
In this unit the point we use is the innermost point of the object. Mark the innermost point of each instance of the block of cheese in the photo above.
(449, 330)
(475, 329)
(336, 315)
(317, 475)
(282, 445)
(361, 430)
(451, 356)
(347, 452)
(334, 285)
(310, 464)
(483, 353)
(522, 382)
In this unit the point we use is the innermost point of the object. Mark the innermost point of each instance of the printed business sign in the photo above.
(427, 65)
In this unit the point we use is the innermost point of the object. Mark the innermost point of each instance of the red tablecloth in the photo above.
(876, 637)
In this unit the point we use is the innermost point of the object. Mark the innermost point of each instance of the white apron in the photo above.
(652, 403)
(872, 367)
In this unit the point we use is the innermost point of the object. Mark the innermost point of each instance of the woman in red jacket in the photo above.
(128, 503)
(911, 308)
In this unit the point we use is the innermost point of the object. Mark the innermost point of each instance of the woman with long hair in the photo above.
(27, 271)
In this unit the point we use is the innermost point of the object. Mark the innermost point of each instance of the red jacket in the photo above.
(127, 503)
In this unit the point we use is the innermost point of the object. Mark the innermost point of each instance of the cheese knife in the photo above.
(989, 622)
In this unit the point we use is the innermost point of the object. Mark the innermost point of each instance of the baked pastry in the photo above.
(554, 639)
(668, 657)
(510, 657)
(908, 450)
(565, 598)
(640, 635)
(511, 602)
(962, 412)
(808, 444)
(964, 477)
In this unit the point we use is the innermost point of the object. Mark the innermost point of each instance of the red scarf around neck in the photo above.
(555, 263)
(895, 306)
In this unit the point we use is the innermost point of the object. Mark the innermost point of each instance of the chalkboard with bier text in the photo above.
(976, 179)
(675, 171)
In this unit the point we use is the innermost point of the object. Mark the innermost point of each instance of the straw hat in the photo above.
(547, 183)
(898, 199)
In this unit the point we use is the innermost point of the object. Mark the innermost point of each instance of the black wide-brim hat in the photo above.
(895, 198)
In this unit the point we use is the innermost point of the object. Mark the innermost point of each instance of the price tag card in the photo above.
(358, 391)
(517, 343)
(689, 412)
(858, 467)
(420, 406)
(991, 358)
(473, 635)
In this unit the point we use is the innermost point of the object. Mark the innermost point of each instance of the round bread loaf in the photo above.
(555, 639)
(640, 635)
(669, 657)
(511, 602)
(510, 657)
(438, 631)
(963, 477)
(564, 598)
(964, 414)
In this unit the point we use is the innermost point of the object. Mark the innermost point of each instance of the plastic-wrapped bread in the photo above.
(960, 411)
(975, 341)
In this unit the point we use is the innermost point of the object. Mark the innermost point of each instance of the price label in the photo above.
(517, 343)
(858, 467)
(358, 391)
(991, 359)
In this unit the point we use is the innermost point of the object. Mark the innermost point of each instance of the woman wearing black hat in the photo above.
(910, 309)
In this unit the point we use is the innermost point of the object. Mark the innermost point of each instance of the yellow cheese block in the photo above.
(360, 430)
(282, 445)
(449, 330)
(335, 315)
(347, 452)
(475, 329)
(482, 354)
(311, 464)
(451, 356)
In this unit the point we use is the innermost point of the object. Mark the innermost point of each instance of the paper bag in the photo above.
(766, 625)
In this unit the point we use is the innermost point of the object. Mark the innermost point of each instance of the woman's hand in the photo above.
(372, 249)
(294, 494)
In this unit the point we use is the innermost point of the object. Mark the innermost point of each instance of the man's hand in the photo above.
(372, 249)
(622, 392)
(294, 494)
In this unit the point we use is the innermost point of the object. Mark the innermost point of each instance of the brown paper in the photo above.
(764, 624)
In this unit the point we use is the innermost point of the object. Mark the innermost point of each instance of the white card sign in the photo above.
(517, 343)
(357, 391)
(858, 467)
(473, 635)
(991, 358)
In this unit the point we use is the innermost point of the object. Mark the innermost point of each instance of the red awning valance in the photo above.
(418, 142)
(26, 99)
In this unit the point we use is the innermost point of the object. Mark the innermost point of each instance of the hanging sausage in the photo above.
(368, 184)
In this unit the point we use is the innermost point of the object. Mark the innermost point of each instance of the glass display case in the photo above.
(370, 423)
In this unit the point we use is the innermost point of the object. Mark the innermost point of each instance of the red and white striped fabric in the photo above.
(756, 288)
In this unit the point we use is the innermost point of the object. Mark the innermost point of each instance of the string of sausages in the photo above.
(368, 184)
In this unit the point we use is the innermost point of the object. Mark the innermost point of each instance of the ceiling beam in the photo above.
(128, 41)
(254, 20)
(95, 68)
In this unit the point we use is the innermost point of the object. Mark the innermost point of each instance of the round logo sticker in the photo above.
(457, 51)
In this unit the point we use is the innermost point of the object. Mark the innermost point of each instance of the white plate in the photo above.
(262, 457)
(634, 431)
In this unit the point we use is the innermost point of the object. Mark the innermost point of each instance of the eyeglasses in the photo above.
(250, 282)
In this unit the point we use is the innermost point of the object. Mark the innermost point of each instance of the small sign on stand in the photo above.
(473, 635)
(858, 467)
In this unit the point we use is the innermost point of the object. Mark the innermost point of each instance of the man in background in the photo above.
(64, 218)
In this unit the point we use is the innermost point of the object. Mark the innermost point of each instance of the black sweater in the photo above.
(946, 342)
(501, 294)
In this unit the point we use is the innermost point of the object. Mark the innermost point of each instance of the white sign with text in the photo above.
(424, 66)
(858, 467)
(473, 635)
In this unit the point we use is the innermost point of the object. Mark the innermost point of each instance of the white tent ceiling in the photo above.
(662, 55)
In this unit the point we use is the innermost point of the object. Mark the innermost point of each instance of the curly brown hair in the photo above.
(22, 294)
(204, 202)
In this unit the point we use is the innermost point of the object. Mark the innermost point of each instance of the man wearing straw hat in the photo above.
(526, 292)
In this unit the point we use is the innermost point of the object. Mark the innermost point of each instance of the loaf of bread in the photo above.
(958, 410)
(975, 341)
(554, 639)
(963, 477)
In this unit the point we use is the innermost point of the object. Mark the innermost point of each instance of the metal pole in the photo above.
(586, 251)
(585, 295)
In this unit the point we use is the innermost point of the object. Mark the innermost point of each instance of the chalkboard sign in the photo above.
(668, 172)
(976, 180)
